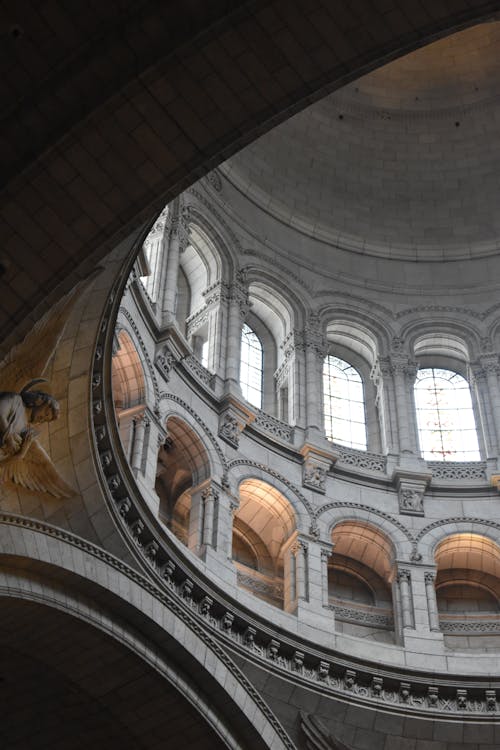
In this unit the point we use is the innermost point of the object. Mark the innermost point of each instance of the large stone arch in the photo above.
(43, 565)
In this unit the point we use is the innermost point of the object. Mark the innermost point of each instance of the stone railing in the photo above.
(477, 624)
(260, 584)
(360, 459)
(199, 371)
(359, 614)
(273, 426)
(451, 471)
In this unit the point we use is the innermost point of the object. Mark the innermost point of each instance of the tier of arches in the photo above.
(255, 533)
(277, 345)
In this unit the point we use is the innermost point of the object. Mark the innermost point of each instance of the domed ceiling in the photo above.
(403, 163)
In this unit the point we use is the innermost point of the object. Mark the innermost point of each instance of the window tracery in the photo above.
(251, 366)
(445, 417)
(344, 406)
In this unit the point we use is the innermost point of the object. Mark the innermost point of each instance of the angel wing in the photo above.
(28, 360)
(36, 472)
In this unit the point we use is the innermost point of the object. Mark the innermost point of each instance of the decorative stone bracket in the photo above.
(233, 419)
(317, 464)
(411, 488)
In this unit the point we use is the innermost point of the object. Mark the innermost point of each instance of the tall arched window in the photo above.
(251, 366)
(445, 419)
(344, 406)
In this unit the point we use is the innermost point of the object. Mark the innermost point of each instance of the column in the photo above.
(217, 530)
(430, 592)
(404, 579)
(485, 378)
(237, 310)
(315, 347)
(402, 396)
(386, 404)
(209, 497)
(140, 423)
(196, 517)
(326, 553)
(295, 573)
(177, 241)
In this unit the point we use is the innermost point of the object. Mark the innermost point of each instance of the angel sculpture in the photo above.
(22, 458)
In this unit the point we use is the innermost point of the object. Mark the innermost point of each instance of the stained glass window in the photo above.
(344, 404)
(445, 419)
(251, 366)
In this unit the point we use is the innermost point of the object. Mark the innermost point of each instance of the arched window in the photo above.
(251, 366)
(445, 419)
(344, 407)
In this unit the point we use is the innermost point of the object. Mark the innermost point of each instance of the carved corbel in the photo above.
(233, 420)
(317, 464)
(411, 488)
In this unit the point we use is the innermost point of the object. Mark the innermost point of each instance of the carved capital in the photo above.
(404, 576)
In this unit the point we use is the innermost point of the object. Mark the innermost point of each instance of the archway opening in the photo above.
(262, 524)
(360, 580)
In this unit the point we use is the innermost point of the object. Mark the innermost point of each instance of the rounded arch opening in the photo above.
(360, 580)
(262, 524)
(183, 464)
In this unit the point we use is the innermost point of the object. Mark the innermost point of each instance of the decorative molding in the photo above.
(273, 426)
(411, 501)
(360, 459)
(469, 627)
(165, 361)
(213, 178)
(458, 470)
(258, 584)
(361, 616)
(200, 372)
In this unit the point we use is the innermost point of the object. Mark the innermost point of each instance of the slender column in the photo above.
(315, 346)
(300, 551)
(209, 497)
(196, 517)
(385, 402)
(326, 553)
(485, 375)
(140, 423)
(404, 579)
(430, 592)
(177, 241)
(402, 396)
(237, 310)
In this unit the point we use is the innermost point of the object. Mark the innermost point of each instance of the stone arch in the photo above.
(429, 537)
(240, 470)
(338, 512)
(264, 521)
(183, 464)
(459, 340)
(125, 322)
(190, 416)
(371, 332)
(128, 377)
(204, 221)
(80, 580)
